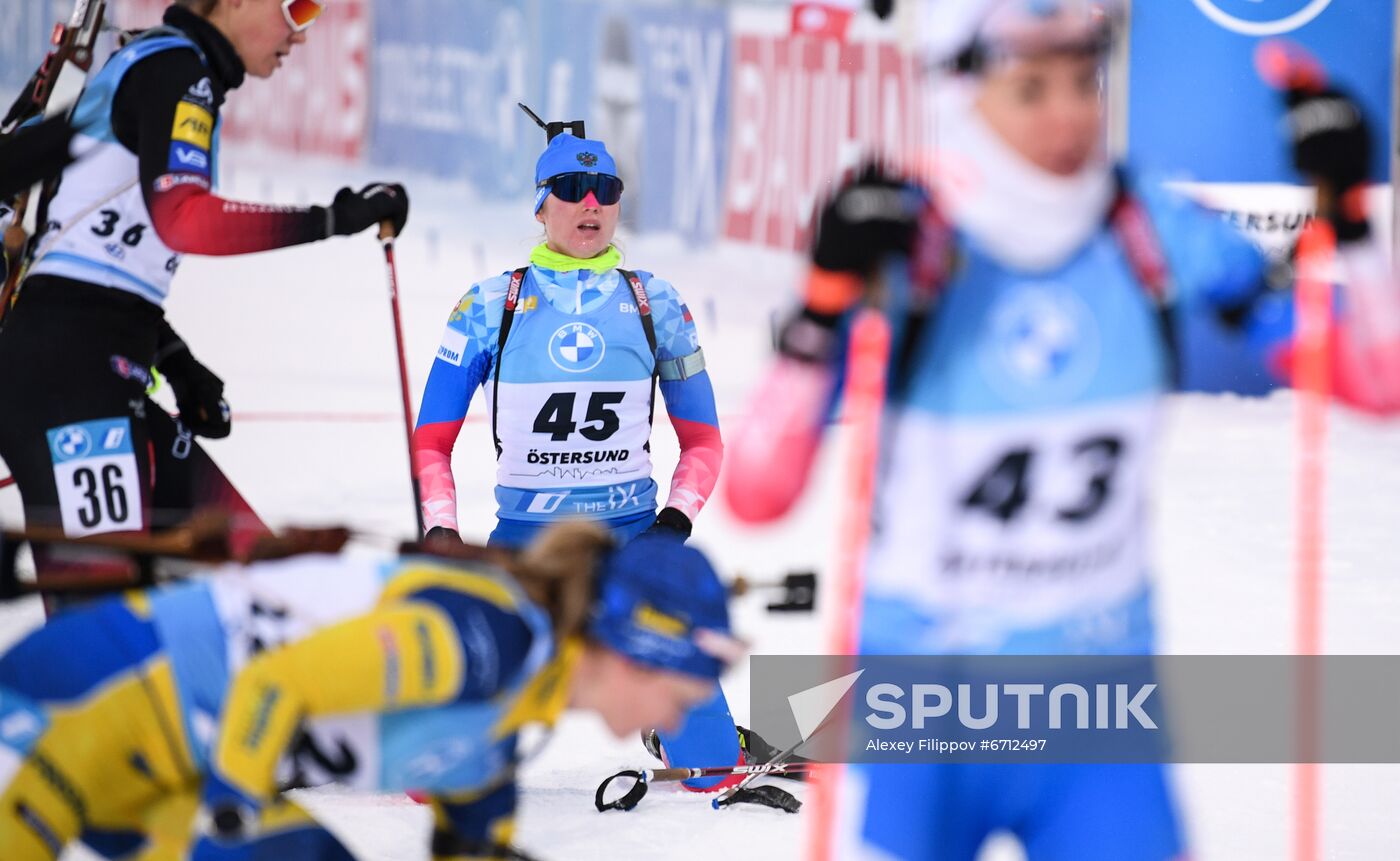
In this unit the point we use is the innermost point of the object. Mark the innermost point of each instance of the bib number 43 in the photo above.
(1004, 489)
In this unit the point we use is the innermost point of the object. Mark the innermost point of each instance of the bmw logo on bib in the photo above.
(1041, 344)
(576, 348)
(72, 442)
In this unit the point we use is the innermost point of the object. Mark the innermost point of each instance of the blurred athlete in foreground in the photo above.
(120, 721)
(1031, 353)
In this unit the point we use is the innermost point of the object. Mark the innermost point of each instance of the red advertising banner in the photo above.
(802, 110)
(825, 18)
(317, 103)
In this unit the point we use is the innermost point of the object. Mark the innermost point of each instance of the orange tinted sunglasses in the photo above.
(301, 14)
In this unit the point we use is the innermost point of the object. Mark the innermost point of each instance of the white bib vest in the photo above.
(572, 410)
(99, 229)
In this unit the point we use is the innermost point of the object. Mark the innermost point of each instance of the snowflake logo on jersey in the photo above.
(587, 159)
(1041, 343)
(72, 442)
(576, 348)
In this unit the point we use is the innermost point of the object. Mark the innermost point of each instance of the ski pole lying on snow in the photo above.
(741, 792)
(648, 776)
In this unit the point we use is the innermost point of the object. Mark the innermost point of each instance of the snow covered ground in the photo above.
(307, 331)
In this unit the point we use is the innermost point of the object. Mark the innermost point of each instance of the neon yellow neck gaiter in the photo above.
(546, 258)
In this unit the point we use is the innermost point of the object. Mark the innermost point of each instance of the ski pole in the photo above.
(646, 776)
(386, 239)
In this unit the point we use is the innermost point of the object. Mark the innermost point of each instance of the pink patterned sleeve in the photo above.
(1365, 346)
(772, 455)
(1367, 363)
(702, 450)
(432, 463)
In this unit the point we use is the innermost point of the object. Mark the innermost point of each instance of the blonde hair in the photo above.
(557, 570)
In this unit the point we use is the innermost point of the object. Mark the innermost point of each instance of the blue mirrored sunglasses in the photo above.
(573, 187)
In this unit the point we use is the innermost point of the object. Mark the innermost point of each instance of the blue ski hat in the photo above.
(568, 154)
(661, 604)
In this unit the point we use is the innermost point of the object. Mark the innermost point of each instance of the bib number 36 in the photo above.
(95, 473)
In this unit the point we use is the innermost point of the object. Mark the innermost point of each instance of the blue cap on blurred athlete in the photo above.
(567, 154)
(661, 604)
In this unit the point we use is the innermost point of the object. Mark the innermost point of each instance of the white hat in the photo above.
(953, 28)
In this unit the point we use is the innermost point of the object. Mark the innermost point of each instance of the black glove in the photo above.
(671, 524)
(869, 218)
(882, 8)
(199, 394)
(353, 211)
(441, 534)
(1332, 146)
(768, 796)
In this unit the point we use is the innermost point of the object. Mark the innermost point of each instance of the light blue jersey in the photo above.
(571, 401)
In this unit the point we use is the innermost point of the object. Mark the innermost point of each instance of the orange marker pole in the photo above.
(1312, 381)
(1286, 66)
(865, 405)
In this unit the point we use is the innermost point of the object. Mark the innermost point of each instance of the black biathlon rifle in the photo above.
(74, 44)
(554, 129)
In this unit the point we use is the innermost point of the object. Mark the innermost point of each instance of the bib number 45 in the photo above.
(600, 420)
